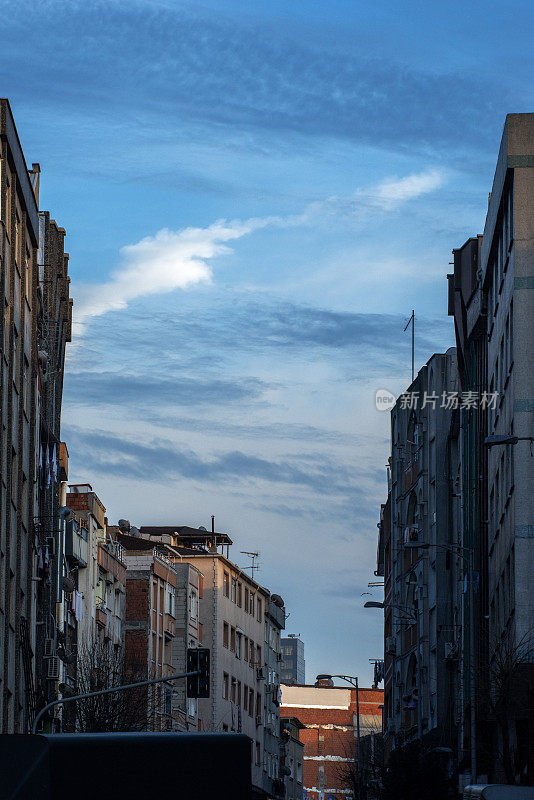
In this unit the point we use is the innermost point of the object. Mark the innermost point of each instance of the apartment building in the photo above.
(292, 757)
(33, 338)
(162, 622)
(425, 565)
(330, 716)
(492, 301)
(241, 624)
(293, 666)
(275, 619)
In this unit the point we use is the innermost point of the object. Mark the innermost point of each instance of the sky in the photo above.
(256, 195)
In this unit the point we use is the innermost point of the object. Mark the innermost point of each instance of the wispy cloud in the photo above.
(181, 259)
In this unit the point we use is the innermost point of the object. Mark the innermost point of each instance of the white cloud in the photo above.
(180, 259)
(392, 193)
(161, 263)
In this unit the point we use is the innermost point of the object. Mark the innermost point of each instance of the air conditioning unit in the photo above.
(391, 645)
(258, 721)
(53, 669)
(48, 647)
(412, 536)
(260, 675)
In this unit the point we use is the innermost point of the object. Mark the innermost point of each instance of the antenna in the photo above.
(252, 566)
(412, 321)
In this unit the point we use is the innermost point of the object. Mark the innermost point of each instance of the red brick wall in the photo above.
(324, 742)
(138, 600)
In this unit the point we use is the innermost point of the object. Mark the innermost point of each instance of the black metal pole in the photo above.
(109, 691)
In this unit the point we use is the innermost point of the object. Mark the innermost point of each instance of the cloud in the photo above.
(392, 193)
(161, 263)
(172, 260)
(108, 454)
(109, 388)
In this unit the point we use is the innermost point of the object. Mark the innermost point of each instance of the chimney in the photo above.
(35, 178)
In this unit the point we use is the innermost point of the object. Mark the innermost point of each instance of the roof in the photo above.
(185, 532)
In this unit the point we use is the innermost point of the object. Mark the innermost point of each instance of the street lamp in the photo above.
(410, 612)
(353, 680)
(491, 441)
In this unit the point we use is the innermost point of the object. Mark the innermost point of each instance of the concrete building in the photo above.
(491, 298)
(418, 540)
(162, 621)
(240, 623)
(275, 620)
(292, 757)
(330, 736)
(293, 667)
(35, 328)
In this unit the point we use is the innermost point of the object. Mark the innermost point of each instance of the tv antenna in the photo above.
(412, 322)
(252, 566)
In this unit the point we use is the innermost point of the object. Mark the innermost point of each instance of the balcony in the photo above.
(110, 559)
(168, 625)
(101, 617)
(75, 544)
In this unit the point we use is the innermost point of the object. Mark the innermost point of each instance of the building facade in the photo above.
(492, 301)
(330, 716)
(292, 757)
(275, 620)
(35, 323)
(293, 667)
(420, 542)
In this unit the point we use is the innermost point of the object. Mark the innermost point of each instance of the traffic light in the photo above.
(198, 685)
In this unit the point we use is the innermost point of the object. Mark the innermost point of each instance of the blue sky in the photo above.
(256, 195)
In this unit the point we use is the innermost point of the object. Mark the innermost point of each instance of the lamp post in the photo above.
(353, 680)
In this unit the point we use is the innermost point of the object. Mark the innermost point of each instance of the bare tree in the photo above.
(102, 666)
(511, 706)
(367, 775)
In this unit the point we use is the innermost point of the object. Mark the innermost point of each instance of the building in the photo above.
(492, 302)
(292, 757)
(330, 716)
(419, 540)
(275, 620)
(35, 328)
(240, 623)
(293, 667)
(162, 621)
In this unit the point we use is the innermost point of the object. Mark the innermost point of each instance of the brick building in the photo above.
(162, 622)
(330, 735)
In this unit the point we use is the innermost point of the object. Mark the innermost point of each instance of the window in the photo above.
(239, 693)
(258, 656)
(251, 604)
(234, 690)
(201, 586)
(226, 584)
(251, 653)
(234, 590)
(238, 645)
(193, 603)
(225, 685)
(258, 704)
(246, 600)
(239, 594)
(259, 604)
(250, 703)
(245, 648)
(245, 697)
(232, 640)
(226, 634)
(258, 754)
